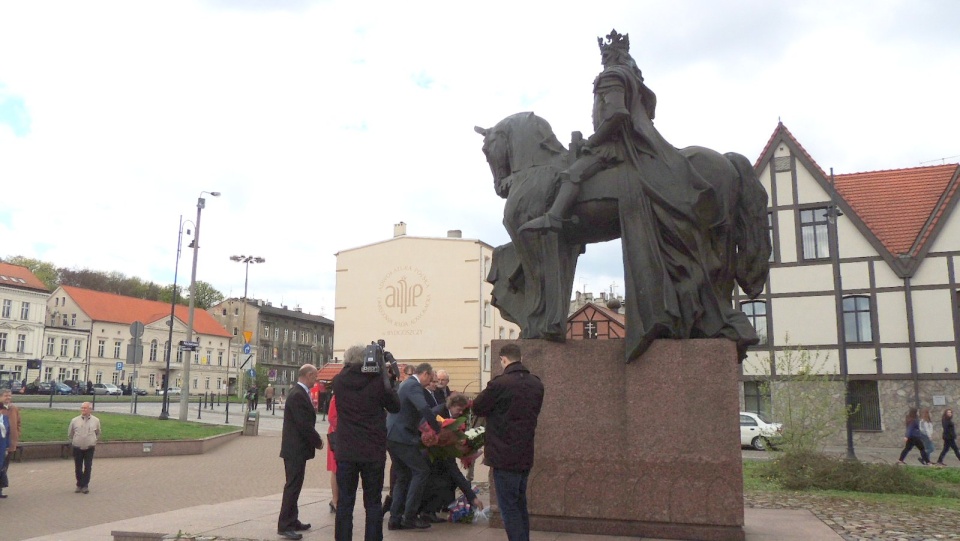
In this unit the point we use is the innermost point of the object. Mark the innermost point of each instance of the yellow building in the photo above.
(428, 298)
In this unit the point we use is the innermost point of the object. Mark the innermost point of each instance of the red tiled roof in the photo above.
(120, 309)
(18, 276)
(329, 371)
(900, 206)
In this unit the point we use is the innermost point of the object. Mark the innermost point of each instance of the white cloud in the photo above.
(324, 123)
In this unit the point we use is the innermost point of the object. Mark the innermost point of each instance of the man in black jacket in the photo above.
(361, 442)
(299, 444)
(511, 403)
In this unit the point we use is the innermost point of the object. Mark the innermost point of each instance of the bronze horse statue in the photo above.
(533, 275)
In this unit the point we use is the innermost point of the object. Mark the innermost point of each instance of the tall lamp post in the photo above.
(246, 260)
(185, 390)
(833, 213)
(165, 409)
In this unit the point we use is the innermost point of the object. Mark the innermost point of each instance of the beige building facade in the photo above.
(427, 298)
(104, 320)
(873, 290)
(23, 300)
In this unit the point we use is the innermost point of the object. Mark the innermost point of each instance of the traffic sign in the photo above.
(246, 349)
(186, 345)
(247, 335)
(136, 329)
(252, 373)
(119, 366)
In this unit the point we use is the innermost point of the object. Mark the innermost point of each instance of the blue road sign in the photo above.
(119, 367)
(252, 373)
(246, 349)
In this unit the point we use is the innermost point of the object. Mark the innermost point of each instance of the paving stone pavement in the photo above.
(865, 521)
(42, 501)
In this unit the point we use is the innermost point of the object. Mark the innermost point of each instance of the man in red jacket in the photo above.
(511, 403)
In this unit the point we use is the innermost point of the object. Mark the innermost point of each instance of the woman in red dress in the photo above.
(331, 460)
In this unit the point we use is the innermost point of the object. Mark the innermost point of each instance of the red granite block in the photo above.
(650, 448)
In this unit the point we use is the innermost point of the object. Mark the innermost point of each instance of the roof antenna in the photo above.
(943, 161)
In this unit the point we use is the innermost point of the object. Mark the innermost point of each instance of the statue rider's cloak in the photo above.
(666, 208)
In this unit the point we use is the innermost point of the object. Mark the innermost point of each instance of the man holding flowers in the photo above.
(403, 444)
(511, 403)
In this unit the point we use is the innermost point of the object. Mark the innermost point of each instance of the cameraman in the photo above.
(364, 394)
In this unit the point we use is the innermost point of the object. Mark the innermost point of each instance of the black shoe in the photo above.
(394, 525)
(290, 534)
(431, 517)
(301, 527)
(415, 523)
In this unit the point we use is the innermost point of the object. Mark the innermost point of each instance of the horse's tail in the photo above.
(750, 230)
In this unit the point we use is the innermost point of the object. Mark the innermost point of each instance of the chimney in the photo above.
(454, 234)
(399, 229)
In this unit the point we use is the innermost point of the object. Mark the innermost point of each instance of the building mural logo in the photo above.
(403, 297)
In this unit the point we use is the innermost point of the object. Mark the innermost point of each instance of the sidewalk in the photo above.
(256, 518)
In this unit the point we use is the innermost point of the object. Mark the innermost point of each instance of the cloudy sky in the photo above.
(324, 123)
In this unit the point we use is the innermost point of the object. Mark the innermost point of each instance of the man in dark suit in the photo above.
(442, 384)
(299, 444)
(403, 443)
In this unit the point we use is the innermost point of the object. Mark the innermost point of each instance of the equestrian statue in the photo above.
(692, 221)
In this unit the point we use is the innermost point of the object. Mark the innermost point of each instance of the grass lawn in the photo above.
(77, 399)
(51, 425)
(946, 481)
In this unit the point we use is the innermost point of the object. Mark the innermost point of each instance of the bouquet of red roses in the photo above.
(453, 440)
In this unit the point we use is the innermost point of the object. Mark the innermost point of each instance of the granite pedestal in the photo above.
(649, 449)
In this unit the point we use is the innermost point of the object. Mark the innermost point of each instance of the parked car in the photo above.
(139, 391)
(13, 384)
(758, 431)
(106, 388)
(43, 387)
(174, 391)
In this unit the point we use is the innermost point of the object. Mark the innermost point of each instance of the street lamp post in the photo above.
(165, 408)
(246, 260)
(833, 213)
(185, 387)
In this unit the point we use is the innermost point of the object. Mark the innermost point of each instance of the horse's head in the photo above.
(518, 142)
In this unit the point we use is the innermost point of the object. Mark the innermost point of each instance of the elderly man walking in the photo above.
(83, 433)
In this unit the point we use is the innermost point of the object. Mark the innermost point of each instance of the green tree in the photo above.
(806, 397)
(207, 295)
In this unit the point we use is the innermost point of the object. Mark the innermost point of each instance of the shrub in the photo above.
(807, 470)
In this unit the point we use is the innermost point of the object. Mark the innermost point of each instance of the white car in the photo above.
(757, 431)
(106, 388)
(174, 391)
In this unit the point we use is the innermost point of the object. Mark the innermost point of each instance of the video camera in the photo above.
(375, 357)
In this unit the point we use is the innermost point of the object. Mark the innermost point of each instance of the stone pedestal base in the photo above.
(648, 449)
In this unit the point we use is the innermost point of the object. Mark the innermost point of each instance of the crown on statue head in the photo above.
(615, 41)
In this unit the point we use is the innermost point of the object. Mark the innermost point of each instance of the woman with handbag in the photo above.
(331, 459)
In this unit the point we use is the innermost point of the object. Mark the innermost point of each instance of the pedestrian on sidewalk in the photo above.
(12, 414)
(268, 394)
(926, 426)
(949, 436)
(83, 433)
(912, 438)
(299, 443)
(511, 403)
